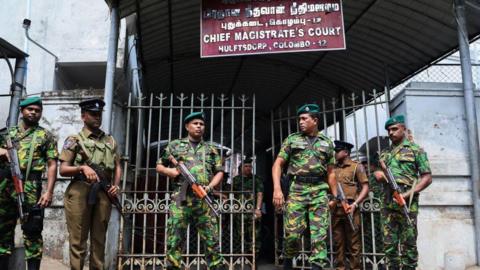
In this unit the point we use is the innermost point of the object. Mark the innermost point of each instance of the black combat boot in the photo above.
(33, 264)
(287, 264)
(4, 260)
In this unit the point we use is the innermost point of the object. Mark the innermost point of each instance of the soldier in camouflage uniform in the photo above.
(90, 146)
(309, 156)
(204, 162)
(410, 167)
(244, 183)
(37, 150)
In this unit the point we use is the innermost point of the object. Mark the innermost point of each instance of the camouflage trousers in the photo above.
(307, 200)
(400, 239)
(198, 215)
(9, 214)
(247, 232)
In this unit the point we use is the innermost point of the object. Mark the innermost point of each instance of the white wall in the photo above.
(76, 31)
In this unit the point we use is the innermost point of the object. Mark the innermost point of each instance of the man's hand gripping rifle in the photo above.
(190, 180)
(396, 192)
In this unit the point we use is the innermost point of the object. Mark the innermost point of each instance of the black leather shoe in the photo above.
(33, 264)
(287, 264)
(316, 267)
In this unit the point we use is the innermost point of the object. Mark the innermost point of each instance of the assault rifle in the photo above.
(104, 184)
(343, 200)
(190, 180)
(16, 175)
(396, 192)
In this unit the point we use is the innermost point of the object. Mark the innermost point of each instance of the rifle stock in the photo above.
(396, 191)
(344, 202)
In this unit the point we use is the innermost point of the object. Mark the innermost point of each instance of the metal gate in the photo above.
(350, 118)
(151, 123)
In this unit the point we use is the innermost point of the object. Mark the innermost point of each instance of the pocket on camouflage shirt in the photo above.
(407, 156)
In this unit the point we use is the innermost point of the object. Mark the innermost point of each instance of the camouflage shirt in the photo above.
(203, 161)
(306, 158)
(45, 146)
(247, 183)
(406, 161)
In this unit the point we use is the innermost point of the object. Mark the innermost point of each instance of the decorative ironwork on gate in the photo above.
(152, 122)
(354, 118)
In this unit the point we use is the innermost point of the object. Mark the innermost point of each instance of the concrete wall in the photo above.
(76, 31)
(435, 113)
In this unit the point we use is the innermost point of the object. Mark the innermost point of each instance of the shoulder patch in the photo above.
(69, 142)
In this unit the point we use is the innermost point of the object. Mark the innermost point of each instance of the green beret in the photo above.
(193, 115)
(308, 108)
(397, 119)
(31, 101)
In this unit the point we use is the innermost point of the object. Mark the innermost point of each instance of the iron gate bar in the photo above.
(354, 97)
(125, 165)
(365, 124)
(334, 113)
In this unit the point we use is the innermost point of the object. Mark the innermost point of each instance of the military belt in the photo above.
(309, 179)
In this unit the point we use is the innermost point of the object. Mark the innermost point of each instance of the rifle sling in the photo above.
(30, 155)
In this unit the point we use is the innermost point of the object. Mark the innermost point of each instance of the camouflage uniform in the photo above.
(203, 162)
(406, 161)
(45, 148)
(307, 159)
(246, 186)
(351, 175)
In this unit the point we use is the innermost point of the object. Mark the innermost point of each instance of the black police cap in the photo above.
(340, 145)
(93, 105)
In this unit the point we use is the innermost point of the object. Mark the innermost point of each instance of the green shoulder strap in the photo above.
(30, 155)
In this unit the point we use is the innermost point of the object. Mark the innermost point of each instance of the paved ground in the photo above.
(51, 264)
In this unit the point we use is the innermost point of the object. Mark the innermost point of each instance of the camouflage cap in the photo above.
(397, 119)
(93, 105)
(308, 108)
(194, 115)
(31, 101)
